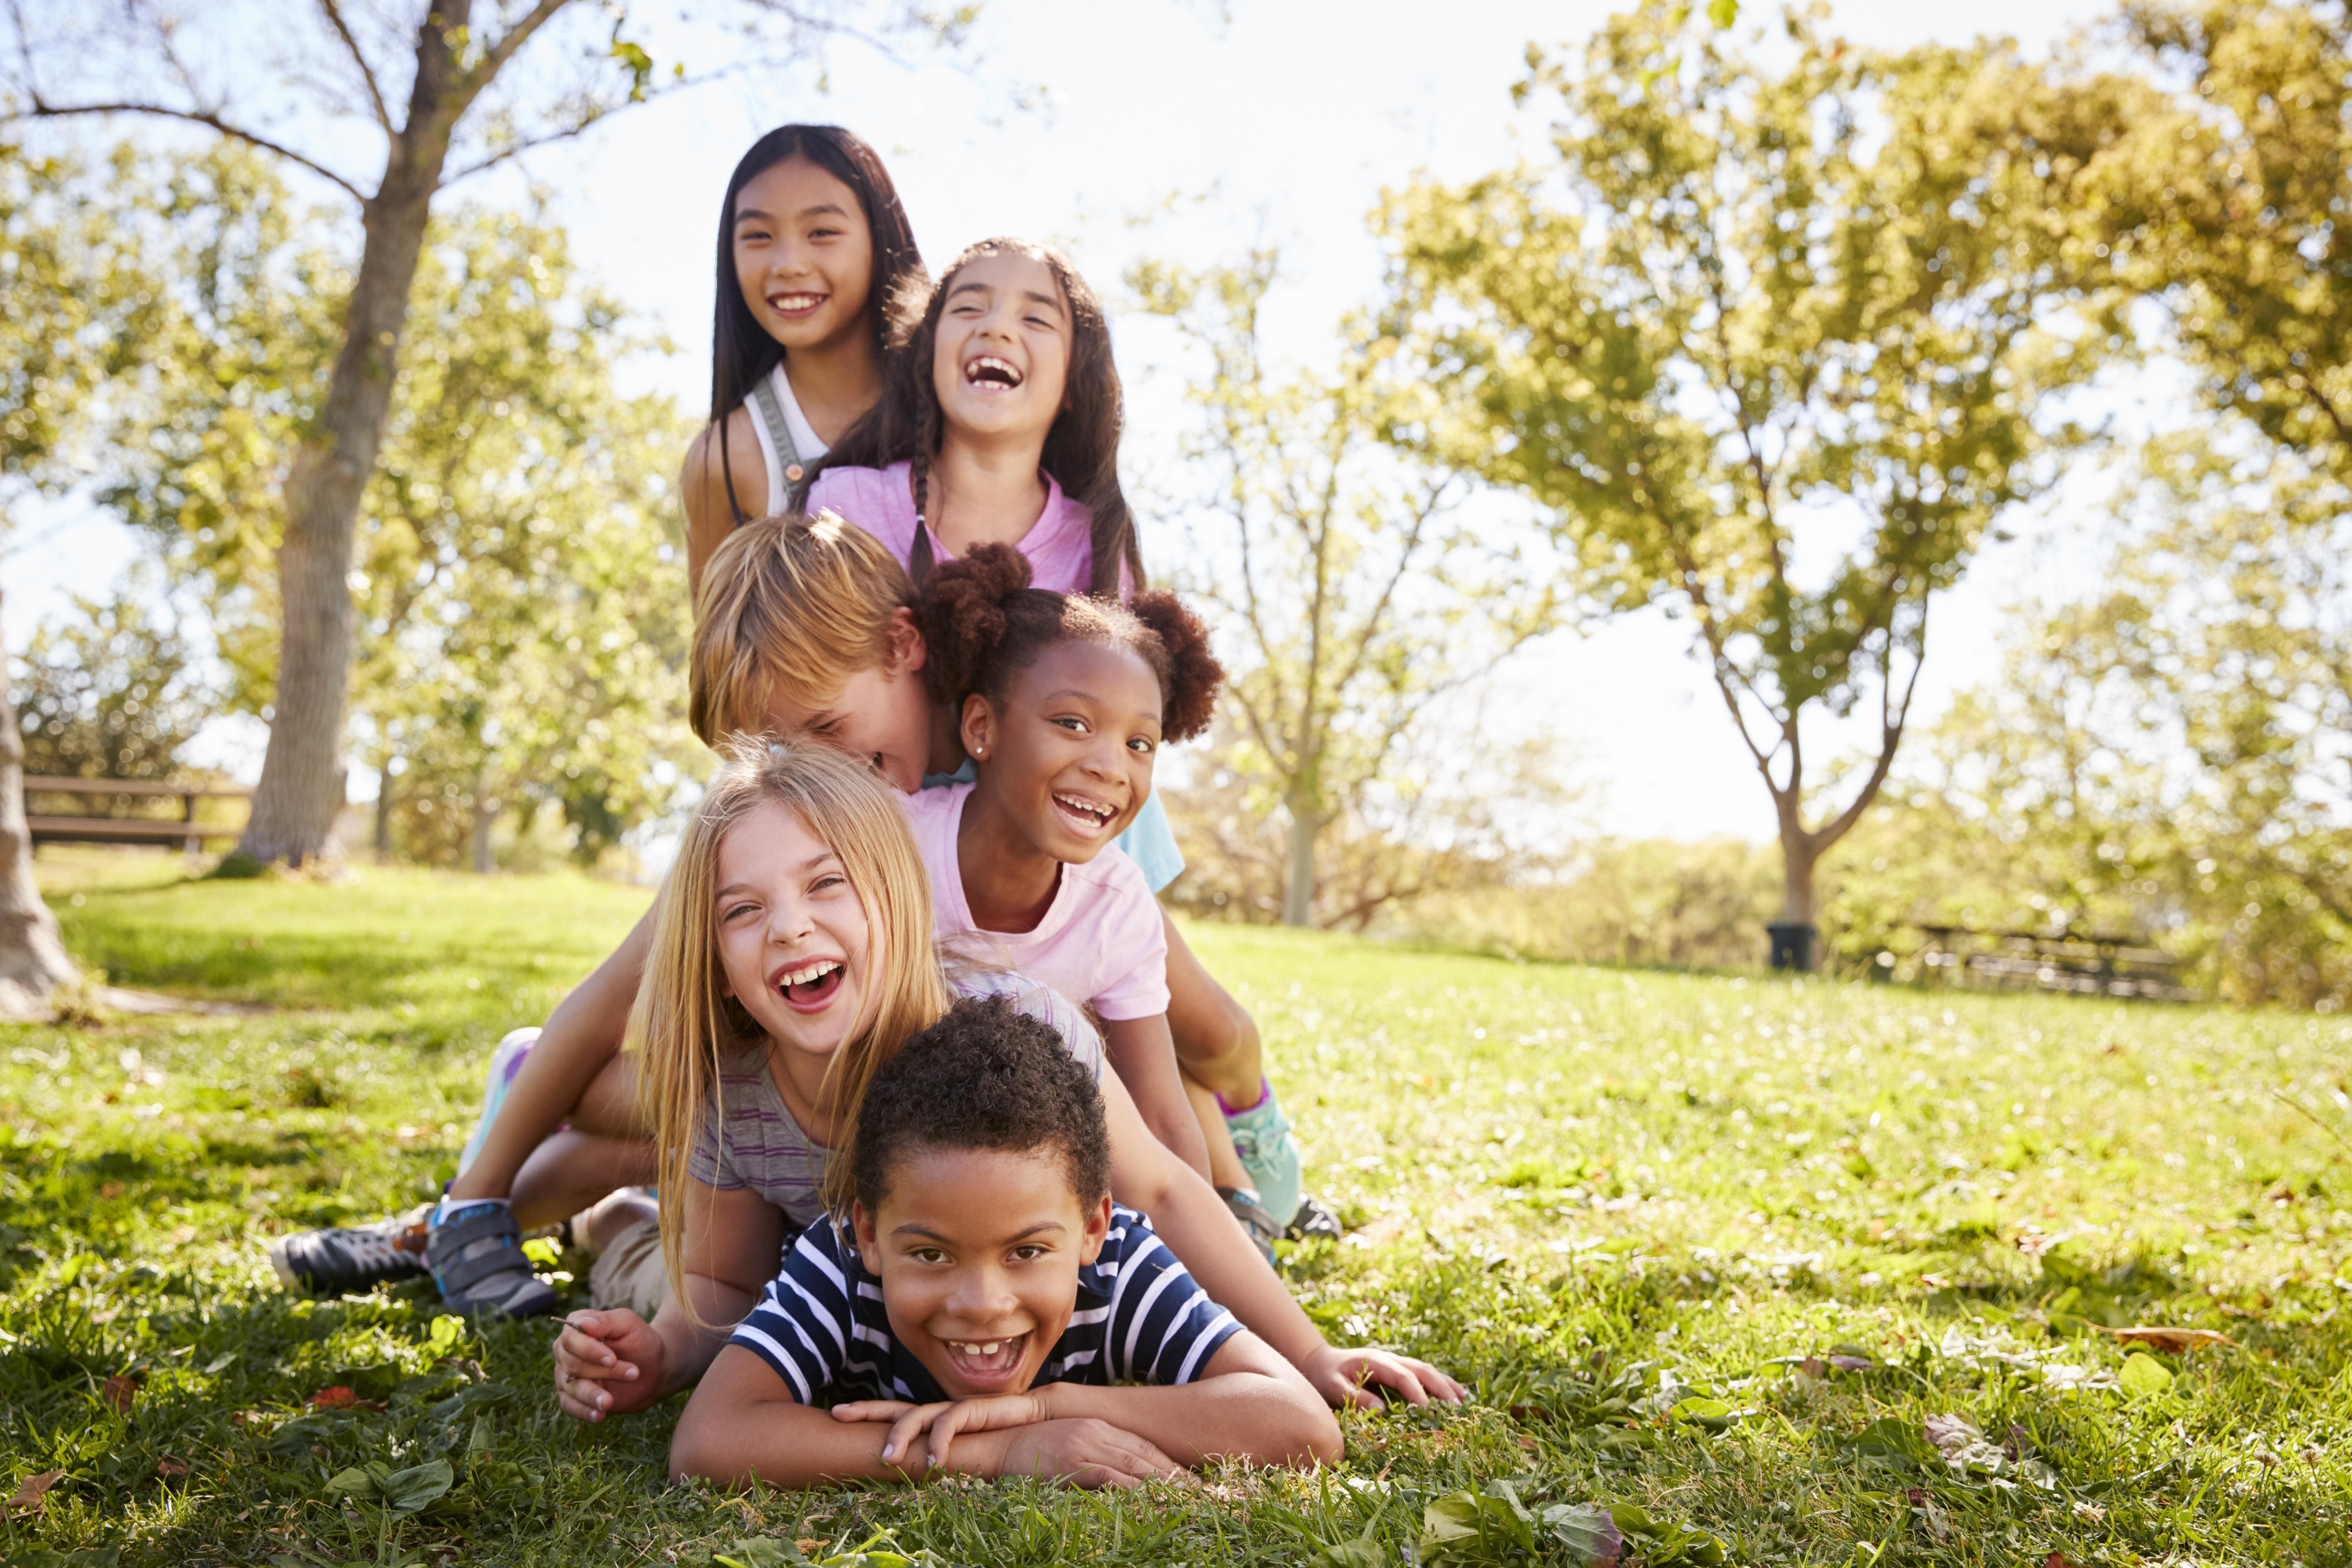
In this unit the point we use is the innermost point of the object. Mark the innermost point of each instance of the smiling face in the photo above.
(793, 941)
(1068, 757)
(803, 254)
(1002, 354)
(979, 1253)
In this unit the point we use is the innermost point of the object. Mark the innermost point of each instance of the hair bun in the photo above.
(961, 612)
(1193, 672)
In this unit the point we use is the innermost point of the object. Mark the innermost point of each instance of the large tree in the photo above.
(521, 615)
(79, 303)
(442, 88)
(1353, 594)
(1770, 342)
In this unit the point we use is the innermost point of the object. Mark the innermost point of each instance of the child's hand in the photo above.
(607, 1363)
(942, 1421)
(1084, 1452)
(1345, 1376)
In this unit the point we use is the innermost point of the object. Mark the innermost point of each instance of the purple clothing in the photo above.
(1060, 544)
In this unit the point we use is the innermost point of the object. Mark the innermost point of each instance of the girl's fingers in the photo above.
(871, 1410)
(951, 1421)
(583, 1346)
(910, 1428)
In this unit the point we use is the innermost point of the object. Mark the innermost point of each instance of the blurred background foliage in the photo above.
(1746, 296)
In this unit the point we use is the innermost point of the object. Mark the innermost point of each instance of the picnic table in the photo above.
(100, 826)
(2084, 963)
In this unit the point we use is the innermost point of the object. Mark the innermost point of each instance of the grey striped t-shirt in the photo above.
(750, 1140)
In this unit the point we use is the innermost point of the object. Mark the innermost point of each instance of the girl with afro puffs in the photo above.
(1062, 701)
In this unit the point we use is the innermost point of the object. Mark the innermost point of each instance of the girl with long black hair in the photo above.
(813, 247)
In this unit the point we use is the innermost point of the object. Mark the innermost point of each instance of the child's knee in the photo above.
(1218, 1036)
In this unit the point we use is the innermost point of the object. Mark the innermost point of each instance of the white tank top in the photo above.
(788, 443)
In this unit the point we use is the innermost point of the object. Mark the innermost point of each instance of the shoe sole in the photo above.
(286, 1274)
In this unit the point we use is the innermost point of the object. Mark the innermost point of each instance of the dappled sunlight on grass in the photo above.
(1713, 1249)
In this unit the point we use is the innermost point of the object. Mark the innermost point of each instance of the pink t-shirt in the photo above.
(1060, 544)
(1101, 941)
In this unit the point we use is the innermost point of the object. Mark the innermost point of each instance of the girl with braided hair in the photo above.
(1000, 423)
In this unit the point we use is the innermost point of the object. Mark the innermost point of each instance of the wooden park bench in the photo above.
(2090, 963)
(99, 828)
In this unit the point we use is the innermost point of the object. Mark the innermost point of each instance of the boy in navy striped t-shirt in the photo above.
(985, 1305)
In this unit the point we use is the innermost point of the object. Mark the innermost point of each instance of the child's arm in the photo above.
(1247, 1404)
(581, 1036)
(611, 1362)
(1216, 1038)
(1197, 1227)
(1144, 1057)
(744, 1424)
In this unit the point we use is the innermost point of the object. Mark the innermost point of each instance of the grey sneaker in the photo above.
(1315, 1218)
(353, 1258)
(475, 1256)
(1256, 1224)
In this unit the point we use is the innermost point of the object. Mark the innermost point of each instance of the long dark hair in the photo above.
(1082, 446)
(740, 349)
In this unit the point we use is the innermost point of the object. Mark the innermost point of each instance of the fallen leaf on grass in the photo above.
(2176, 1341)
(335, 1398)
(2057, 1560)
(31, 1490)
(120, 1394)
(2143, 1376)
(168, 1465)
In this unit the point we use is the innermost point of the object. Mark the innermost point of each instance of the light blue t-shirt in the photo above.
(1149, 841)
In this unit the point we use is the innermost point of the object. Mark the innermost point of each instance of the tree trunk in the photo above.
(33, 959)
(486, 817)
(384, 815)
(1298, 885)
(1801, 856)
(294, 807)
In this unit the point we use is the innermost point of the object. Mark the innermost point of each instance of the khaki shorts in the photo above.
(630, 1273)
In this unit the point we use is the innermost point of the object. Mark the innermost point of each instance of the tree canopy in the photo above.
(1774, 345)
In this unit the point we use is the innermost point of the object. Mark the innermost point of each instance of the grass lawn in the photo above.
(1804, 1272)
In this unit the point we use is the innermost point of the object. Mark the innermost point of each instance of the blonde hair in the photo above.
(685, 1025)
(791, 601)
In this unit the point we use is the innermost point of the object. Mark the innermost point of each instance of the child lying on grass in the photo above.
(984, 1303)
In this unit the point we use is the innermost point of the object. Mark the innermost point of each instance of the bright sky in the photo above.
(1281, 120)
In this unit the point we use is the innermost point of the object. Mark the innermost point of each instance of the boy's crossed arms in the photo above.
(984, 1303)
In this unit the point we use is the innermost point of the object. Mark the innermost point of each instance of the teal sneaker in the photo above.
(1262, 1138)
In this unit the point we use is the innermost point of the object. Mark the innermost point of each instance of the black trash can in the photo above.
(1792, 945)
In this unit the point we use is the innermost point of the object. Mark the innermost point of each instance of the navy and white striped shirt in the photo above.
(1139, 1318)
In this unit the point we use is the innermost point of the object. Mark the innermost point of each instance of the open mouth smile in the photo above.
(798, 303)
(1089, 817)
(986, 1362)
(809, 986)
(990, 373)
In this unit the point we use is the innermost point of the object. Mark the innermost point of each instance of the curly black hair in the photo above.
(983, 1077)
(984, 625)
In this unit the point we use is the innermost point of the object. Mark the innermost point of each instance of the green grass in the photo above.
(1626, 1205)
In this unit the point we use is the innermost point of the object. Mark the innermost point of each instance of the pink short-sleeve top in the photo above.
(1060, 544)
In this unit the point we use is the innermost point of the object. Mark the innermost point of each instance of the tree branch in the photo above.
(1890, 736)
(495, 57)
(1726, 678)
(367, 74)
(45, 110)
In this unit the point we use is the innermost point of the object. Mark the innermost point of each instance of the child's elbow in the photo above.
(1306, 1434)
(695, 1449)
(1320, 1437)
